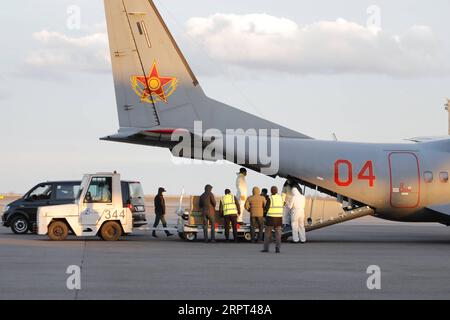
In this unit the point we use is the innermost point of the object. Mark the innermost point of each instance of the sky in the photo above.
(368, 71)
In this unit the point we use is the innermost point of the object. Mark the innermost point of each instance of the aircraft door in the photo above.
(404, 180)
(98, 199)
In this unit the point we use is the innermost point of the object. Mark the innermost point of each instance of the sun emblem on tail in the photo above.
(154, 88)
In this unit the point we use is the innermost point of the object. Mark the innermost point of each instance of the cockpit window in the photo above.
(99, 190)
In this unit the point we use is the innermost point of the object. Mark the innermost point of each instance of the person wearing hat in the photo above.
(241, 186)
(256, 204)
(207, 203)
(274, 220)
(160, 212)
(229, 208)
(265, 194)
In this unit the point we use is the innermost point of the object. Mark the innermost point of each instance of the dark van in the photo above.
(133, 198)
(21, 215)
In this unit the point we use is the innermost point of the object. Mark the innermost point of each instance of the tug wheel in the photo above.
(58, 231)
(111, 231)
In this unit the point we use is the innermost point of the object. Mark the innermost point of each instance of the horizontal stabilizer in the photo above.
(154, 84)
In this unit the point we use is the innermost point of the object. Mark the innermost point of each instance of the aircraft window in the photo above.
(428, 176)
(443, 176)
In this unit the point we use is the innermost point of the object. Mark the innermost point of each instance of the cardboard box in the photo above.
(219, 219)
(195, 204)
(196, 218)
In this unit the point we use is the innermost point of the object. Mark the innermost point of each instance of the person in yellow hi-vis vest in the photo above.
(274, 220)
(230, 209)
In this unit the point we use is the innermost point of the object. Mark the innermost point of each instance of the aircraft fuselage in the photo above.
(399, 180)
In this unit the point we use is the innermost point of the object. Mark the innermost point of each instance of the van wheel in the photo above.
(111, 231)
(58, 231)
(20, 225)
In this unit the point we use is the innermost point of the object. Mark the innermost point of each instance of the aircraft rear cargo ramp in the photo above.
(325, 212)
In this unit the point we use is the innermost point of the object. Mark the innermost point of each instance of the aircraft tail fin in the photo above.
(155, 87)
(150, 72)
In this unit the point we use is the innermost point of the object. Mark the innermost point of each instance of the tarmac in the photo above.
(413, 259)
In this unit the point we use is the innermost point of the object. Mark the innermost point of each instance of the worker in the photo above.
(256, 205)
(160, 212)
(208, 205)
(286, 194)
(265, 194)
(297, 206)
(230, 209)
(241, 186)
(274, 220)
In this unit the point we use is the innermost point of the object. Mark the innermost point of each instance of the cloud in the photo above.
(3, 95)
(325, 47)
(59, 52)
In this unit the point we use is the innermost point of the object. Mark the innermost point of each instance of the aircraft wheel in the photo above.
(58, 231)
(111, 231)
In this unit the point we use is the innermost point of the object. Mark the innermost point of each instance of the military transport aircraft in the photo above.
(157, 94)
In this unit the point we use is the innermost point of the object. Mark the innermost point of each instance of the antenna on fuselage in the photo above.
(334, 137)
(447, 107)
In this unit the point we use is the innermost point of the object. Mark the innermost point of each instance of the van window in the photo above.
(41, 192)
(66, 191)
(99, 190)
(136, 191)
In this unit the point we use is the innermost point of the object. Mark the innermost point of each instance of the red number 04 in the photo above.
(366, 173)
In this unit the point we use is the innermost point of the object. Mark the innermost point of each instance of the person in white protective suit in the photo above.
(242, 192)
(287, 196)
(297, 205)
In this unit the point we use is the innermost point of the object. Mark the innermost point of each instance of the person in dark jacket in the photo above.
(265, 194)
(208, 205)
(160, 212)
